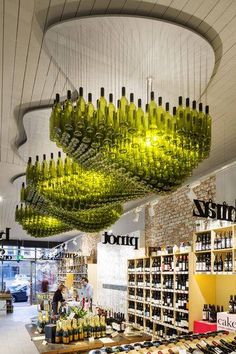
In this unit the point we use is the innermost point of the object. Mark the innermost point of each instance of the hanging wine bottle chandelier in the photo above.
(88, 220)
(37, 224)
(69, 186)
(153, 147)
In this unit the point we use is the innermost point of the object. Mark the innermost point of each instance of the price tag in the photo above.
(182, 351)
(44, 342)
(114, 334)
(91, 339)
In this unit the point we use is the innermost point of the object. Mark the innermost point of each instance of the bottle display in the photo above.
(98, 137)
(203, 242)
(223, 240)
(232, 304)
(203, 263)
(209, 312)
(39, 224)
(70, 263)
(158, 293)
(221, 342)
(68, 331)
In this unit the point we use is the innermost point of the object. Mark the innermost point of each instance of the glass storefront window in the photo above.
(24, 273)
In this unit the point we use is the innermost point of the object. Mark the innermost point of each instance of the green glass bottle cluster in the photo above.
(90, 219)
(70, 186)
(153, 147)
(37, 224)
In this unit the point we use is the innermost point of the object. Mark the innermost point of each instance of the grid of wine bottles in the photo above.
(70, 264)
(215, 251)
(158, 294)
(220, 342)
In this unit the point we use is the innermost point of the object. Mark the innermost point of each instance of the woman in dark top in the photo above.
(57, 297)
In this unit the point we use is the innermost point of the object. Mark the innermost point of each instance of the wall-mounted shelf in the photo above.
(215, 251)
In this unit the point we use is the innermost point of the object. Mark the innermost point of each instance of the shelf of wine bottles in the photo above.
(215, 251)
(158, 290)
(75, 266)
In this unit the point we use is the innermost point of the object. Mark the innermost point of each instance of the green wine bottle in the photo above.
(44, 173)
(37, 170)
(131, 111)
(139, 118)
(123, 108)
(52, 168)
(66, 117)
(60, 168)
(111, 110)
(160, 118)
(201, 120)
(22, 193)
(180, 116)
(194, 118)
(55, 119)
(102, 108)
(168, 122)
(29, 171)
(152, 113)
(90, 115)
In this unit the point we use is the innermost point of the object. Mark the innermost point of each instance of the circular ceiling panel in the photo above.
(115, 51)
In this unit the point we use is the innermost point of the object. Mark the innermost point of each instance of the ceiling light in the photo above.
(137, 213)
(151, 211)
(1, 198)
(191, 195)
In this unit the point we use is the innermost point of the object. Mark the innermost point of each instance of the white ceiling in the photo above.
(30, 78)
(114, 51)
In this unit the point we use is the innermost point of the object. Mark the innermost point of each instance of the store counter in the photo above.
(81, 346)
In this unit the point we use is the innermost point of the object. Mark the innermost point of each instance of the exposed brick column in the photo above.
(173, 221)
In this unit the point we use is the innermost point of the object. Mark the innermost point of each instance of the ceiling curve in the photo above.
(115, 51)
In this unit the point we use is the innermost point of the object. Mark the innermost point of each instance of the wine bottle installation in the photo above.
(154, 147)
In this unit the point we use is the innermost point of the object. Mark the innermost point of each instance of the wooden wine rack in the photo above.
(162, 292)
(216, 252)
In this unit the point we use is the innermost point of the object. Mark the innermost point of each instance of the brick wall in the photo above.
(173, 221)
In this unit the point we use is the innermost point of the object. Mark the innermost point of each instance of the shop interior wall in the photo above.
(112, 263)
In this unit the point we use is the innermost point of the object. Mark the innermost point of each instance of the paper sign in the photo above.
(226, 321)
(38, 338)
(106, 340)
(114, 334)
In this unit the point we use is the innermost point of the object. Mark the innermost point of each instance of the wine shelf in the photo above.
(68, 269)
(216, 245)
(152, 276)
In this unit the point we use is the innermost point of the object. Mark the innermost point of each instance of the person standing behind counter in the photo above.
(86, 294)
(57, 297)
